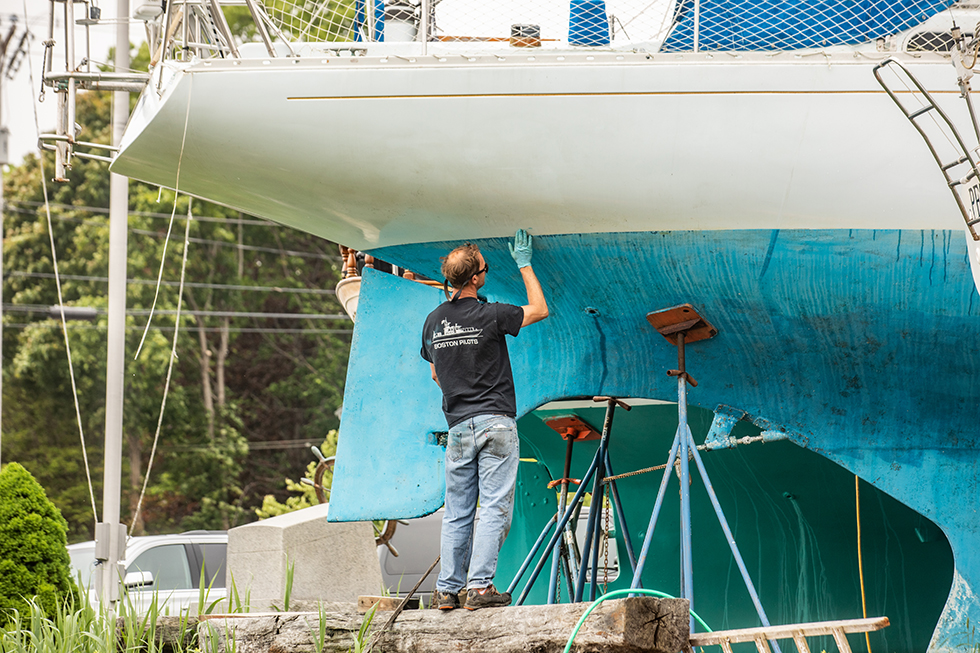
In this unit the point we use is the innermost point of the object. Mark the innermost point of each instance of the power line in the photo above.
(142, 312)
(151, 214)
(258, 315)
(81, 325)
(255, 445)
(203, 241)
(249, 248)
(187, 284)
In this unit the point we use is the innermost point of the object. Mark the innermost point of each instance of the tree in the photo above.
(34, 562)
(303, 495)
(235, 380)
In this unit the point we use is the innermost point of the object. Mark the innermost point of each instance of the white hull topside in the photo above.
(373, 151)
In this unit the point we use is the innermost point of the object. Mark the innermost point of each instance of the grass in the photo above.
(362, 640)
(290, 572)
(85, 628)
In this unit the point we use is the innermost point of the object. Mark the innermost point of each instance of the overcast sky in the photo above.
(19, 96)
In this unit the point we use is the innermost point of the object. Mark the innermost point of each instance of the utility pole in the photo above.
(5, 65)
(112, 532)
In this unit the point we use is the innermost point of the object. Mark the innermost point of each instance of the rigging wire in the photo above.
(163, 256)
(170, 367)
(61, 303)
(180, 298)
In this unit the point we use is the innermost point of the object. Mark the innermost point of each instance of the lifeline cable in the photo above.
(857, 511)
(57, 280)
(170, 369)
(180, 296)
(173, 212)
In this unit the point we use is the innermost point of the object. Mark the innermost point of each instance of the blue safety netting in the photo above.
(793, 24)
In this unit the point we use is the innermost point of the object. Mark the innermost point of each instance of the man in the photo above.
(463, 340)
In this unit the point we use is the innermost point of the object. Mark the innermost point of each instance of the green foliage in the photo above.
(69, 629)
(235, 380)
(34, 564)
(314, 20)
(304, 495)
(236, 602)
(319, 634)
(362, 640)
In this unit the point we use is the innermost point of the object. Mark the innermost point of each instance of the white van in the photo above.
(165, 566)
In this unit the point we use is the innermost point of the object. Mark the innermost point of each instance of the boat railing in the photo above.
(199, 27)
(189, 31)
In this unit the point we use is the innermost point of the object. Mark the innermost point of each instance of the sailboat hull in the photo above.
(374, 152)
(782, 195)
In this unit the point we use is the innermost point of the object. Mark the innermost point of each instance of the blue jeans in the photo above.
(482, 456)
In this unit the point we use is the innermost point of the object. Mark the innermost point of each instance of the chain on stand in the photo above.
(558, 581)
(605, 533)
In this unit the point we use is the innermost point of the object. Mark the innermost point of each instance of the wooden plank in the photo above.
(788, 631)
(384, 603)
(801, 644)
(841, 640)
(762, 645)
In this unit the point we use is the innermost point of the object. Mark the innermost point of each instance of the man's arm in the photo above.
(434, 377)
(536, 308)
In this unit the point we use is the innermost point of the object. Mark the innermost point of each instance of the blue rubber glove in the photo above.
(521, 249)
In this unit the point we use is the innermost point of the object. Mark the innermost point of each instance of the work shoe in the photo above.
(486, 597)
(447, 600)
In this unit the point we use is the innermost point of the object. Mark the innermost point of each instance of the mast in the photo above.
(113, 534)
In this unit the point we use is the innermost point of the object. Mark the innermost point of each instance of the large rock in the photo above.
(331, 561)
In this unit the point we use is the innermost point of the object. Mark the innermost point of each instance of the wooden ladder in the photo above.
(797, 632)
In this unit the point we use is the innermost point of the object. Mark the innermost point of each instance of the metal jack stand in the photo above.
(681, 325)
(596, 473)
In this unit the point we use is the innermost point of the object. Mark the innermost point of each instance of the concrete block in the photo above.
(332, 561)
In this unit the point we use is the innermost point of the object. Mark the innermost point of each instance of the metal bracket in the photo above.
(572, 427)
(720, 434)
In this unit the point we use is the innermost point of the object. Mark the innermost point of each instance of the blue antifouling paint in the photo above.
(360, 15)
(588, 23)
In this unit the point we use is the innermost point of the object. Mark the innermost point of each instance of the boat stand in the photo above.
(681, 325)
(563, 544)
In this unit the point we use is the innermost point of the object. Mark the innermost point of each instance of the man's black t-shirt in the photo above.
(465, 341)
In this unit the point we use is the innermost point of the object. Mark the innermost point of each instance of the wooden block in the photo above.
(384, 603)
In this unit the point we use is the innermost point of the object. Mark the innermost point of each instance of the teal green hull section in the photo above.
(859, 345)
(793, 514)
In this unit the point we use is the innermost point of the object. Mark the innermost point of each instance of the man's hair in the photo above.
(461, 264)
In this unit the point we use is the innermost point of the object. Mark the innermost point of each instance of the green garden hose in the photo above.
(614, 594)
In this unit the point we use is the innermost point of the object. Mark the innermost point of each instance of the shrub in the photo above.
(34, 563)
